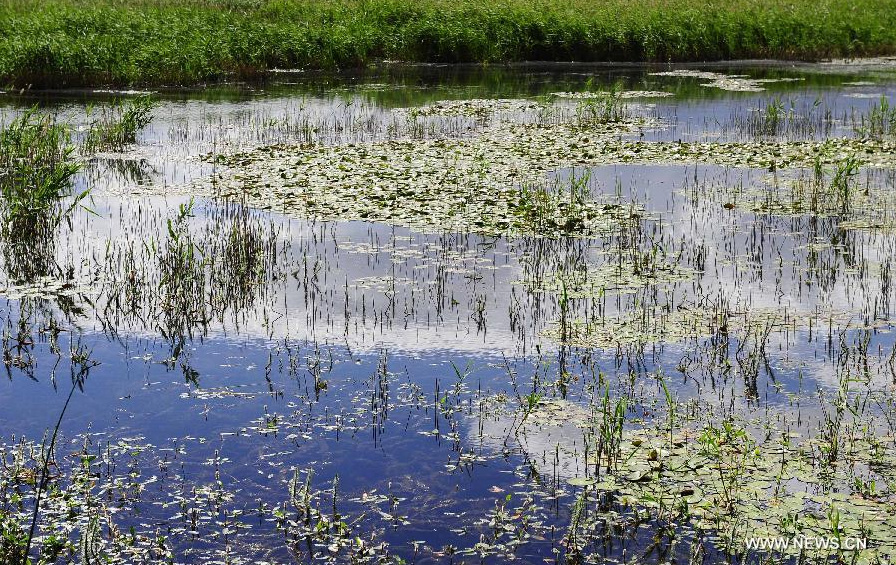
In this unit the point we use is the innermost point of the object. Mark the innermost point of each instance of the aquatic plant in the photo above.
(118, 124)
(669, 407)
(37, 168)
(776, 119)
(878, 122)
(37, 165)
(13, 540)
(567, 208)
(601, 108)
(81, 364)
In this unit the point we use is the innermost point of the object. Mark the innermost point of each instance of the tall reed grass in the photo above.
(78, 42)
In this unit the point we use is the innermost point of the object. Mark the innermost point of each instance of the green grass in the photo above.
(81, 42)
(118, 124)
(36, 168)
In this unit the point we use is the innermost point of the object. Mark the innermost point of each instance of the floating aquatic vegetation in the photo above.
(478, 108)
(217, 393)
(862, 63)
(721, 480)
(383, 284)
(734, 83)
(766, 155)
(744, 294)
(728, 479)
(623, 277)
(856, 201)
(80, 510)
(690, 73)
(863, 95)
(684, 324)
(833, 193)
(464, 185)
(743, 84)
(49, 287)
(626, 94)
(634, 329)
(471, 184)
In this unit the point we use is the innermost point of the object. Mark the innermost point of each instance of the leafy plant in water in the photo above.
(182, 283)
(729, 448)
(36, 169)
(773, 116)
(880, 120)
(310, 529)
(118, 124)
(842, 184)
(833, 418)
(37, 166)
(81, 364)
(606, 432)
(577, 515)
(12, 540)
(671, 404)
(561, 210)
(606, 108)
(532, 400)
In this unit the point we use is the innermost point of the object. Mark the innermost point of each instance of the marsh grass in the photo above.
(678, 475)
(37, 167)
(878, 122)
(566, 208)
(118, 124)
(78, 42)
(604, 108)
(779, 118)
(37, 164)
(832, 191)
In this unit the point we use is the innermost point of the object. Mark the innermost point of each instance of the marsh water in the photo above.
(272, 374)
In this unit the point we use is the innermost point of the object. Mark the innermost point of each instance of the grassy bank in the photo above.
(88, 42)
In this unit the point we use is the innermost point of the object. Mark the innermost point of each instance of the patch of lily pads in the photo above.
(47, 287)
(857, 204)
(633, 328)
(493, 184)
(733, 83)
(624, 277)
(474, 184)
(684, 323)
(723, 481)
(624, 94)
(474, 107)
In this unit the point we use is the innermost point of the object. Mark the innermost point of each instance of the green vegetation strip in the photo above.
(83, 42)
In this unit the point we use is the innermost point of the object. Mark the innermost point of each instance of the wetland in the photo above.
(560, 313)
